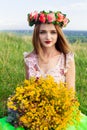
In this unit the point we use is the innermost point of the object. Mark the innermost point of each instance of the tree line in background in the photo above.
(72, 36)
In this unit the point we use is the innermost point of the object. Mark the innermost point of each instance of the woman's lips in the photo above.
(47, 42)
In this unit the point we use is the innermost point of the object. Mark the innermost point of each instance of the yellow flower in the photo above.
(23, 119)
(11, 105)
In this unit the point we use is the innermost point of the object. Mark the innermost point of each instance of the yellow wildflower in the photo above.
(44, 104)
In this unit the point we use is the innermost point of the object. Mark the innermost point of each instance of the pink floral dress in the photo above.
(58, 72)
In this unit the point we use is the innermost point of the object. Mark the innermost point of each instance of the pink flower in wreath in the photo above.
(65, 21)
(34, 15)
(42, 18)
(60, 17)
(51, 17)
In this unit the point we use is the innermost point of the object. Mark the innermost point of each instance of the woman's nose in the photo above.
(48, 36)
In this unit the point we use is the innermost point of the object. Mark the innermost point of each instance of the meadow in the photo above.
(12, 70)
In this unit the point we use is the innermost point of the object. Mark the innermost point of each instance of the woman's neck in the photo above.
(50, 52)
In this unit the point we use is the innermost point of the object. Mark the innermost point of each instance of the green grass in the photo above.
(11, 65)
(12, 68)
(81, 74)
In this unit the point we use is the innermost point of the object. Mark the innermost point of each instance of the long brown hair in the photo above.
(61, 45)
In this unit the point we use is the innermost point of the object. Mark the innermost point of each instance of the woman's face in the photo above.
(48, 35)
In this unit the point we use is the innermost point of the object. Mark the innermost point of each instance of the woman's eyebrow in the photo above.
(43, 30)
(47, 30)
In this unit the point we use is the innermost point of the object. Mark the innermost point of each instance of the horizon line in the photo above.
(32, 30)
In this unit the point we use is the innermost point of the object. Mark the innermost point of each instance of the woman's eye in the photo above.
(53, 32)
(42, 32)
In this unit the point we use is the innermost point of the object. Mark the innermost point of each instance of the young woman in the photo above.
(52, 54)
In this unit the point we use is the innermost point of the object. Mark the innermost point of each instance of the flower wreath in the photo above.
(48, 17)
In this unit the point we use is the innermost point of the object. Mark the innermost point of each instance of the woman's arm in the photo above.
(70, 75)
(26, 72)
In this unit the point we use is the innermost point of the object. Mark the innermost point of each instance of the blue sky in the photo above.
(13, 13)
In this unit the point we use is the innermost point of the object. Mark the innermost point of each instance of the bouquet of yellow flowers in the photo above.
(43, 104)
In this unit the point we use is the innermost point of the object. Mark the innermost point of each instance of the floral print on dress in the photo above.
(58, 72)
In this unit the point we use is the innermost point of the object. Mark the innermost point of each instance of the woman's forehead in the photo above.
(47, 27)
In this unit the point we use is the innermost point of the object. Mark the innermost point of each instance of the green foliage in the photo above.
(75, 39)
(12, 67)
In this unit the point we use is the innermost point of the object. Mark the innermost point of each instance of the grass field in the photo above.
(12, 67)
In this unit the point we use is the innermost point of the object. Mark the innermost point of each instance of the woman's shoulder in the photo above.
(29, 54)
(69, 59)
(29, 58)
(70, 56)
